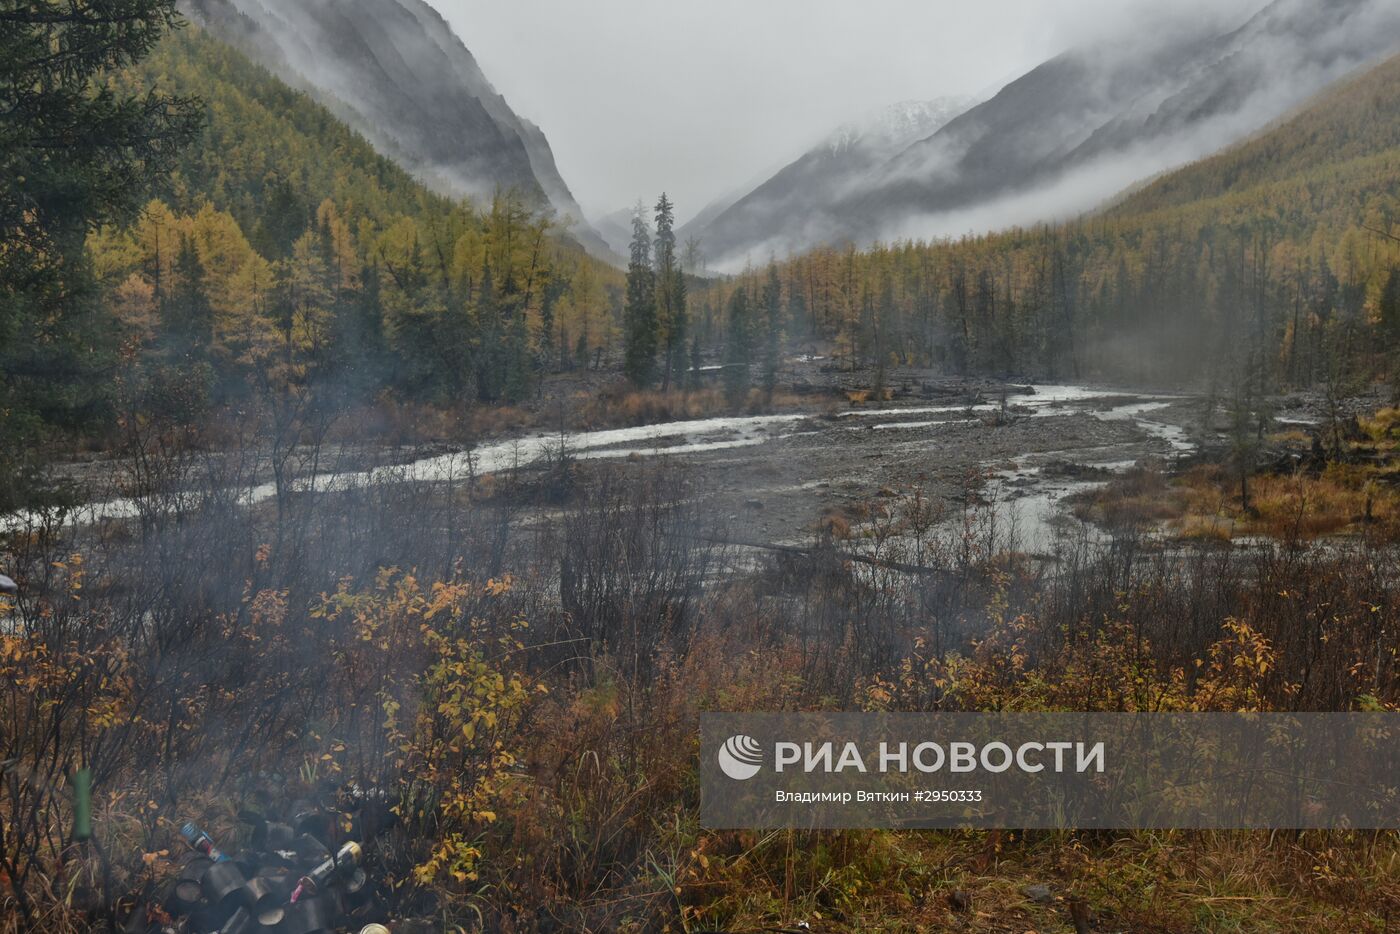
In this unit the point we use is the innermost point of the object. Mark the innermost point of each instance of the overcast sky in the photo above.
(705, 96)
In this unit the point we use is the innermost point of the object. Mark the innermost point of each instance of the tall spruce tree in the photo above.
(518, 363)
(360, 339)
(670, 293)
(772, 329)
(1389, 307)
(187, 315)
(552, 335)
(639, 314)
(1390, 330)
(177, 389)
(75, 153)
(696, 361)
(490, 357)
(738, 348)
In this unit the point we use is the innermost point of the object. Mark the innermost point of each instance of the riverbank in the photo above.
(775, 476)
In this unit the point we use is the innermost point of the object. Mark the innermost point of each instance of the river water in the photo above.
(835, 454)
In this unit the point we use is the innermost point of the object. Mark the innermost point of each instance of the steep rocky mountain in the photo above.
(823, 175)
(1080, 127)
(396, 71)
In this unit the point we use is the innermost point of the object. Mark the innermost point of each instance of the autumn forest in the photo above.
(375, 527)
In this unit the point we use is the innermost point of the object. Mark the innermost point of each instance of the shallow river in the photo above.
(802, 461)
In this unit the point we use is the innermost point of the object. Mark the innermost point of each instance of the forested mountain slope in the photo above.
(396, 71)
(289, 256)
(268, 149)
(1343, 145)
(1267, 265)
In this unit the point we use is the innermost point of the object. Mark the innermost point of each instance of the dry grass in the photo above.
(1147, 882)
(1384, 428)
(862, 396)
(1205, 528)
(1342, 500)
(1140, 498)
(1359, 495)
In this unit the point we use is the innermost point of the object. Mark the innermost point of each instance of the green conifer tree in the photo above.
(76, 153)
(639, 314)
(670, 293)
(772, 329)
(187, 315)
(738, 353)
